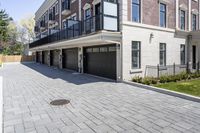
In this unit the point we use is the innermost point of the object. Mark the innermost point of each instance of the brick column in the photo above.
(80, 59)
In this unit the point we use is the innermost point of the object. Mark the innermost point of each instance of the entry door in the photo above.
(97, 16)
(37, 56)
(194, 56)
(51, 58)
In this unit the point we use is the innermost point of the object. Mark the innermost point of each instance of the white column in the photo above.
(199, 17)
(119, 62)
(189, 15)
(177, 14)
(60, 58)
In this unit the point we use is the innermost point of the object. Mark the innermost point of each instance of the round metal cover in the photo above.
(59, 102)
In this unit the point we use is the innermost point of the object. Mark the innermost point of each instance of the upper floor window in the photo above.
(163, 15)
(194, 22)
(182, 20)
(57, 8)
(87, 13)
(136, 5)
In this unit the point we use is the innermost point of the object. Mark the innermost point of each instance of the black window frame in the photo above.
(164, 52)
(165, 15)
(182, 54)
(132, 8)
(182, 19)
(194, 22)
(138, 50)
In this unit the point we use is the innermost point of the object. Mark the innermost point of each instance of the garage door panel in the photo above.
(70, 57)
(100, 61)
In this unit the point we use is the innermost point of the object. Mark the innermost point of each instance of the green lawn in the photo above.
(191, 87)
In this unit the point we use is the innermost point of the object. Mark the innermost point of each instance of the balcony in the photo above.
(51, 18)
(42, 25)
(107, 21)
(36, 29)
(66, 7)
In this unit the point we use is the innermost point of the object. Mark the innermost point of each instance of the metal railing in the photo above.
(73, 29)
(157, 71)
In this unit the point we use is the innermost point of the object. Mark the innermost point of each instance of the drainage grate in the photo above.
(59, 102)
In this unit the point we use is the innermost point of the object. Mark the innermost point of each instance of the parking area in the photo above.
(96, 105)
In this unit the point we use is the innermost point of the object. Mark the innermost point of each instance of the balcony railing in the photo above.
(106, 20)
(73, 29)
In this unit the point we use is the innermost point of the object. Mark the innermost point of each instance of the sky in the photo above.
(19, 9)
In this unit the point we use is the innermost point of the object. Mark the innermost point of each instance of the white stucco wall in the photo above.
(149, 49)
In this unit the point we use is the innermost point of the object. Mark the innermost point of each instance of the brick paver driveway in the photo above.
(96, 105)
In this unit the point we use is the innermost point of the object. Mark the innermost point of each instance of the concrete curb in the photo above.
(164, 91)
(14, 63)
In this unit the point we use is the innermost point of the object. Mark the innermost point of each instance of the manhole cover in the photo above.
(59, 102)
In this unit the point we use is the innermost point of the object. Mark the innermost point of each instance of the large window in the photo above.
(182, 20)
(87, 13)
(182, 54)
(136, 55)
(194, 22)
(163, 15)
(162, 54)
(136, 10)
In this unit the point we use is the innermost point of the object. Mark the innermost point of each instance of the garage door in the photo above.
(70, 59)
(54, 58)
(100, 61)
(46, 57)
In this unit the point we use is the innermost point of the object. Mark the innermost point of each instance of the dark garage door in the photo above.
(100, 61)
(70, 58)
(54, 58)
(46, 57)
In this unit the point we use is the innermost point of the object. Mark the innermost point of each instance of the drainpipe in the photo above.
(189, 16)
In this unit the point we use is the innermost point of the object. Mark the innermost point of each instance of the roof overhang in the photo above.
(102, 37)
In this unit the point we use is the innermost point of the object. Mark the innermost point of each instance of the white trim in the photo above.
(145, 26)
(86, 6)
(166, 4)
(183, 7)
(195, 11)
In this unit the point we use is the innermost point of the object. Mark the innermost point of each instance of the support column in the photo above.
(48, 58)
(60, 58)
(80, 59)
(118, 62)
(189, 52)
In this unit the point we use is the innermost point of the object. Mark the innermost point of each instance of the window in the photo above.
(194, 22)
(182, 20)
(136, 55)
(136, 10)
(57, 8)
(162, 54)
(182, 54)
(162, 15)
(87, 13)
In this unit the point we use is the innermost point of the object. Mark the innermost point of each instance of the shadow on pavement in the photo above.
(68, 76)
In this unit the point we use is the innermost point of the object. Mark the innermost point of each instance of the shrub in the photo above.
(137, 79)
(149, 80)
(163, 79)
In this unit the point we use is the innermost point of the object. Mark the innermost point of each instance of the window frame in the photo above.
(183, 11)
(165, 14)
(139, 14)
(138, 50)
(194, 28)
(164, 52)
(182, 52)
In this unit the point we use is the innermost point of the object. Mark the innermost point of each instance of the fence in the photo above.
(157, 71)
(15, 58)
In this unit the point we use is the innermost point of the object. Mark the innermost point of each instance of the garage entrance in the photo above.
(54, 58)
(100, 61)
(70, 59)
